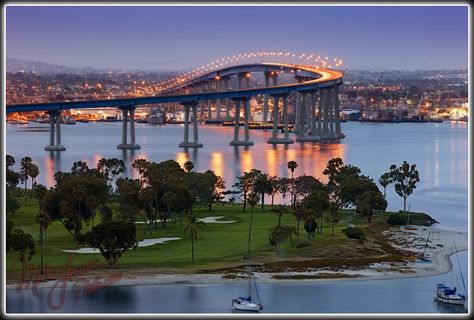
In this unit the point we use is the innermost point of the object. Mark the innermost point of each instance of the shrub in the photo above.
(303, 244)
(353, 233)
(416, 218)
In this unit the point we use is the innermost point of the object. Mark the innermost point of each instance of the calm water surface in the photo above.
(410, 295)
(440, 151)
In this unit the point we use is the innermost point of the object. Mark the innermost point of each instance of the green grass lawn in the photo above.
(216, 245)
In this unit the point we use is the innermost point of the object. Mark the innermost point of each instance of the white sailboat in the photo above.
(246, 303)
(445, 294)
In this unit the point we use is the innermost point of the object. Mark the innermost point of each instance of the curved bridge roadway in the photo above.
(311, 123)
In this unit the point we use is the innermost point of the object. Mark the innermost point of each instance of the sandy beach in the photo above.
(439, 247)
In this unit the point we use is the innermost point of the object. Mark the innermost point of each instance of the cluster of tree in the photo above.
(167, 192)
(312, 202)
(164, 192)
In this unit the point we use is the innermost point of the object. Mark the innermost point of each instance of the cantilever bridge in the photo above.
(316, 109)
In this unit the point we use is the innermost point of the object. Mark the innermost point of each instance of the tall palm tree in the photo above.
(385, 180)
(292, 165)
(25, 169)
(42, 218)
(192, 230)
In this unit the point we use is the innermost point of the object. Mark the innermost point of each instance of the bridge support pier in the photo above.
(331, 121)
(306, 119)
(274, 139)
(337, 114)
(125, 113)
(209, 102)
(265, 99)
(55, 127)
(227, 101)
(246, 141)
(218, 101)
(195, 143)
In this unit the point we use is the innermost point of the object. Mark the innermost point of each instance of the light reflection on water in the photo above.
(439, 149)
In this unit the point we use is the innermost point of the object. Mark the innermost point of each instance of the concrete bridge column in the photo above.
(331, 112)
(202, 104)
(218, 101)
(246, 141)
(285, 119)
(320, 113)
(125, 145)
(186, 144)
(227, 101)
(55, 127)
(236, 121)
(265, 98)
(124, 126)
(312, 118)
(303, 113)
(132, 126)
(276, 120)
(52, 121)
(274, 139)
(297, 126)
(307, 120)
(309, 108)
(324, 104)
(337, 114)
(209, 102)
(326, 99)
(195, 127)
(246, 120)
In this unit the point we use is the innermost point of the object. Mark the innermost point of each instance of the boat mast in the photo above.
(256, 291)
(460, 270)
(426, 244)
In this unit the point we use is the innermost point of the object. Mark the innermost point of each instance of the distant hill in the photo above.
(18, 65)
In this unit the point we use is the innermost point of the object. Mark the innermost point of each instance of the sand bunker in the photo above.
(143, 243)
(213, 219)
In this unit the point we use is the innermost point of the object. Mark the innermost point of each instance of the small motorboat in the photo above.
(445, 294)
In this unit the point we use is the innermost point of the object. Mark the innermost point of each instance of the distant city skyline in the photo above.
(177, 38)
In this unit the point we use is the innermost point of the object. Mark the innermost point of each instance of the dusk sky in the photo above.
(403, 38)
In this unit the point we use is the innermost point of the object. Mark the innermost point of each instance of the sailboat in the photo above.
(246, 303)
(445, 294)
(422, 257)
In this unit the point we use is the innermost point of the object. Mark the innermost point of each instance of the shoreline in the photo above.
(439, 250)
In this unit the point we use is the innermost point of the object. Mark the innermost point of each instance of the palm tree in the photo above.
(262, 185)
(33, 172)
(292, 165)
(42, 218)
(192, 230)
(188, 166)
(25, 168)
(253, 201)
(385, 180)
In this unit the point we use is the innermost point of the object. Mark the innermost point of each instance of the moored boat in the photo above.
(445, 294)
(246, 303)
